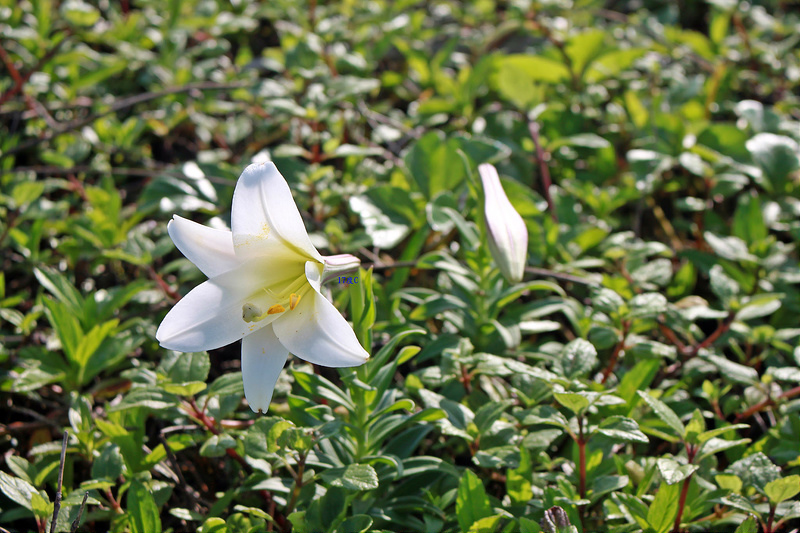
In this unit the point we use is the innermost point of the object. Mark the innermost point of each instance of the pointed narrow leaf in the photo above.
(664, 413)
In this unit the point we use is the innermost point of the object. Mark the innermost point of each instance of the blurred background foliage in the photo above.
(643, 377)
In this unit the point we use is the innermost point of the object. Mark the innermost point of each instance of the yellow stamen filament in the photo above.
(253, 313)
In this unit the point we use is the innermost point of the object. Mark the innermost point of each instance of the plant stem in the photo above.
(612, 361)
(760, 406)
(768, 527)
(691, 450)
(298, 483)
(57, 504)
(581, 459)
(533, 127)
(581, 442)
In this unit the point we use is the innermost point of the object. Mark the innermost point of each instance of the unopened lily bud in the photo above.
(341, 263)
(508, 236)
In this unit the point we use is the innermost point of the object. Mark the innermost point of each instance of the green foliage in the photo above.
(642, 377)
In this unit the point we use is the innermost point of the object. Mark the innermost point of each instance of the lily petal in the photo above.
(264, 216)
(211, 250)
(263, 357)
(210, 316)
(315, 331)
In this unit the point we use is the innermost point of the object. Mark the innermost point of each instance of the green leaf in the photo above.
(666, 414)
(187, 389)
(725, 288)
(647, 305)
(605, 484)
(385, 228)
(362, 308)
(782, 489)
(695, 427)
(755, 471)
(472, 503)
(518, 480)
(576, 359)
(359, 523)
(42, 507)
(621, 428)
(87, 347)
(638, 378)
(434, 164)
(777, 155)
(65, 324)
(25, 193)
(109, 464)
(60, 287)
(185, 367)
(583, 47)
(737, 501)
(577, 403)
(488, 413)
(352, 477)
(729, 482)
(748, 220)
(526, 525)
(150, 397)
(731, 248)
(532, 68)
(142, 509)
(485, 525)
(674, 472)
(734, 371)
(612, 63)
(227, 385)
(17, 490)
(662, 512)
(262, 437)
(318, 386)
(217, 445)
(750, 525)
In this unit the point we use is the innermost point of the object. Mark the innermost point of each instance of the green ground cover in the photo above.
(643, 376)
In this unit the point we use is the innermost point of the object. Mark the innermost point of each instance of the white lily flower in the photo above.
(508, 236)
(263, 287)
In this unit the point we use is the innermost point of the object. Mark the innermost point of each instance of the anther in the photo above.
(277, 308)
(294, 299)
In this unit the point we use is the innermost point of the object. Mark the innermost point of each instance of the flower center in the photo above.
(289, 297)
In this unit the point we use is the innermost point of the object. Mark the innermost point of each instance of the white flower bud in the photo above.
(508, 236)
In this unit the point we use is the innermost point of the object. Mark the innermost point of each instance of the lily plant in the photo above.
(264, 286)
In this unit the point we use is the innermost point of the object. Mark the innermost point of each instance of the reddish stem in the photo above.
(672, 337)
(465, 379)
(691, 450)
(612, 362)
(533, 127)
(770, 520)
(724, 326)
(760, 406)
(21, 79)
